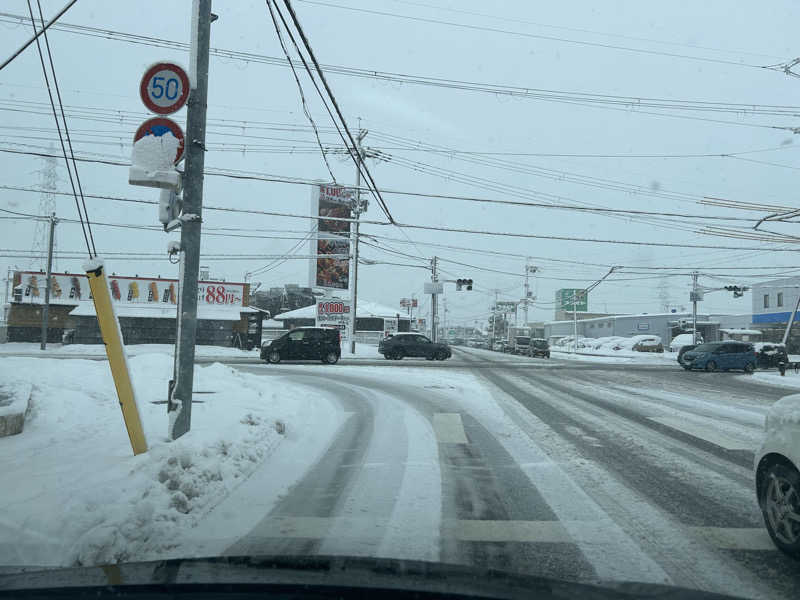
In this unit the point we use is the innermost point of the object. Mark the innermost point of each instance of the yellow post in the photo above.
(112, 338)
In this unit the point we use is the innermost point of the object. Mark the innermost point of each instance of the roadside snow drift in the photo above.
(74, 494)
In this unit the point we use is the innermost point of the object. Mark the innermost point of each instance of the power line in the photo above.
(300, 89)
(531, 35)
(627, 104)
(58, 126)
(35, 37)
(66, 128)
(356, 156)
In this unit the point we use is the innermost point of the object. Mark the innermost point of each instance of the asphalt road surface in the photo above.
(571, 470)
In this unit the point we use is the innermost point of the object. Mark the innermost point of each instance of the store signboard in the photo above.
(73, 288)
(334, 313)
(389, 327)
(332, 236)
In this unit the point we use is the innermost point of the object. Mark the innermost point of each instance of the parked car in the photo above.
(721, 355)
(413, 345)
(499, 346)
(304, 343)
(684, 339)
(768, 356)
(539, 347)
(684, 350)
(777, 474)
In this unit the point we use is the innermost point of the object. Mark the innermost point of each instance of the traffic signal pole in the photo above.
(434, 302)
(179, 407)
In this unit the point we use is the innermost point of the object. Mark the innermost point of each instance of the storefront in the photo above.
(146, 307)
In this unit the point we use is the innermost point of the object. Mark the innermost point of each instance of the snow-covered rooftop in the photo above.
(170, 311)
(365, 309)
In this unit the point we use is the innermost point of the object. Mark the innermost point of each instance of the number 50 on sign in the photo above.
(164, 88)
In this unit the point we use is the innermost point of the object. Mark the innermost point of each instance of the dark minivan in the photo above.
(721, 356)
(304, 343)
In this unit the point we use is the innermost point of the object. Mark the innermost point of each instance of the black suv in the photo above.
(304, 343)
(539, 347)
(412, 345)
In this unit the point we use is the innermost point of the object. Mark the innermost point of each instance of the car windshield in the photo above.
(403, 280)
(710, 347)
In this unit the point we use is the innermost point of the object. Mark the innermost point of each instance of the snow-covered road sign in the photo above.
(164, 88)
(159, 126)
(157, 147)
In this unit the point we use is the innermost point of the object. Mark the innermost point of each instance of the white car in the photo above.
(777, 474)
(683, 339)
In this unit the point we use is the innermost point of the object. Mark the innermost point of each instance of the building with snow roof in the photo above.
(146, 308)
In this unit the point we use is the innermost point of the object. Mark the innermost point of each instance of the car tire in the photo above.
(686, 368)
(274, 357)
(398, 354)
(330, 358)
(711, 366)
(779, 498)
(441, 355)
(749, 368)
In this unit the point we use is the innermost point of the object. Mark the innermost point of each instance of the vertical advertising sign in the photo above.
(334, 312)
(333, 236)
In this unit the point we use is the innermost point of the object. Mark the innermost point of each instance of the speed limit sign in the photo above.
(164, 88)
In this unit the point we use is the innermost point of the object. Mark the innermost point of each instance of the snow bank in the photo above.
(77, 350)
(74, 494)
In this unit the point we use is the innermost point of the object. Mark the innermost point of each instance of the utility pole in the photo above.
(434, 300)
(444, 326)
(357, 209)
(574, 322)
(48, 282)
(179, 407)
(527, 291)
(694, 307)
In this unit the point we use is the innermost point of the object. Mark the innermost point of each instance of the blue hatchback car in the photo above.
(723, 356)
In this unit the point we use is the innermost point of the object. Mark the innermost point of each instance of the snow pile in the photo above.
(155, 152)
(785, 411)
(17, 394)
(80, 497)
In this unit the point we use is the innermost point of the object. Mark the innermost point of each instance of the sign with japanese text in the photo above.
(334, 313)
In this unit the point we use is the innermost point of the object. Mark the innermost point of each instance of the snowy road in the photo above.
(575, 471)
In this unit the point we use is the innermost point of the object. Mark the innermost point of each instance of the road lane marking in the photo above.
(736, 538)
(449, 428)
(704, 433)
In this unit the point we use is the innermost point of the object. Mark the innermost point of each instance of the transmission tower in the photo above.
(663, 294)
(48, 178)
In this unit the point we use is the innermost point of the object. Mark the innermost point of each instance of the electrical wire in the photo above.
(58, 126)
(300, 89)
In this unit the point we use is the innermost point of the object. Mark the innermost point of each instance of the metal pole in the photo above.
(354, 295)
(791, 321)
(694, 307)
(575, 322)
(527, 292)
(46, 309)
(179, 407)
(434, 302)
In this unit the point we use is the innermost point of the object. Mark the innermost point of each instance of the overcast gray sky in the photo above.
(256, 124)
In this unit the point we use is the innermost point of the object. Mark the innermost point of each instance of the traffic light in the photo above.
(464, 283)
(738, 291)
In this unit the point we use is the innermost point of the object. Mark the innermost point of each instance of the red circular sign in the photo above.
(164, 88)
(159, 126)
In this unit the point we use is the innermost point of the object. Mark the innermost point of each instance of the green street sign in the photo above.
(572, 299)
